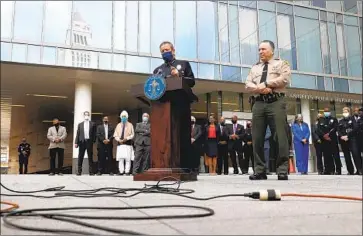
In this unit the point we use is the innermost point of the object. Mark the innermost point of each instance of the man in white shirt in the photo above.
(86, 136)
(104, 147)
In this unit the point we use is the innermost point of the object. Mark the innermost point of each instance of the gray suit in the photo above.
(56, 147)
(142, 145)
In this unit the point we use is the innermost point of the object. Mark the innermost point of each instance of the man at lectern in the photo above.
(173, 67)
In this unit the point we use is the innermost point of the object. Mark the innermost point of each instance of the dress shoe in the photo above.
(51, 173)
(60, 174)
(79, 173)
(261, 176)
(99, 173)
(91, 174)
(111, 173)
(282, 177)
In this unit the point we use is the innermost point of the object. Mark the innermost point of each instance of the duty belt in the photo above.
(269, 98)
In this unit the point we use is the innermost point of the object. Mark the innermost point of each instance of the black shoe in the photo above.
(111, 173)
(320, 173)
(261, 176)
(91, 174)
(51, 174)
(282, 177)
(60, 174)
(244, 172)
(127, 174)
(99, 173)
(79, 173)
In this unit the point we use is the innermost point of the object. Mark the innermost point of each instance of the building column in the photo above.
(82, 103)
(6, 102)
(305, 112)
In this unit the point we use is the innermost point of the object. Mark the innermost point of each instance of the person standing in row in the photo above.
(85, 138)
(104, 147)
(124, 133)
(267, 81)
(317, 146)
(56, 135)
(142, 145)
(222, 158)
(24, 150)
(211, 145)
(248, 149)
(235, 133)
(301, 134)
(196, 138)
(358, 128)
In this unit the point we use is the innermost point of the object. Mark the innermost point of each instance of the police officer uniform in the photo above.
(24, 150)
(327, 126)
(269, 109)
(345, 128)
(248, 151)
(358, 131)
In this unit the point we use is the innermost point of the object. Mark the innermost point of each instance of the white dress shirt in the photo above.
(106, 131)
(86, 129)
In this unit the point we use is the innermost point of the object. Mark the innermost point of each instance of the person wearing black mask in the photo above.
(104, 146)
(24, 150)
(358, 128)
(56, 135)
(248, 149)
(235, 133)
(222, 157)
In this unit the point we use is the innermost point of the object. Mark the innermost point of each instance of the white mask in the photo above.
(345, 114)
(86, 117)
(145, 119)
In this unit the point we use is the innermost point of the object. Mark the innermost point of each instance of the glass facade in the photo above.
(322, 40)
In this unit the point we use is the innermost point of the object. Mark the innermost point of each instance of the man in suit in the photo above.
(142, 145)
(196, 139)
(266, 148)
(85, 137)
(104, 146)
(222, 158)
(248, 149)
(56, 135)
(235, 133)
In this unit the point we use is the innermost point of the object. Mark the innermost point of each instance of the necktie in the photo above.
(264, 73)
(123, 131)
(234, 129)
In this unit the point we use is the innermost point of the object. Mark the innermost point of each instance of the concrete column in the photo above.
(305, 112)
(6, 102)
(82, 103)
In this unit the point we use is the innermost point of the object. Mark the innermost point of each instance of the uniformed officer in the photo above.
(317, 145)
(326, 130)
(267, 81)
(358, 129)
(348, 142)
(24, 150)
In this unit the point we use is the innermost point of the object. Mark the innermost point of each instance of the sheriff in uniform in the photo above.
(24, 150)
(267, 81)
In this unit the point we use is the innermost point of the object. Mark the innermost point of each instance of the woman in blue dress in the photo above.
(301, 133)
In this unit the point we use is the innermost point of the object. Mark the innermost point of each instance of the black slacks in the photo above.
(222, 159)
(84, 146)
(105, 158)
(23, 162)
(54, 152)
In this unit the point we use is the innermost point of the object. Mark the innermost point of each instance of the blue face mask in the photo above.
(123, 119)
(168, 56)
(326, 114)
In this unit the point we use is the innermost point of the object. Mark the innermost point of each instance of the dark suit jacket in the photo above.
(184, 68)
(197, 133)
(80, 132)
(101, 135)
(142, 132)
(223, 134)
(240, 132)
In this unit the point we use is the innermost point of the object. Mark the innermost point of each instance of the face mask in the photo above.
(327, 114)
(145, 119)
(24, 141)
(222, 123)
(234, 121)
(105, 122)
(249, 125)
(123, 119)
(193, 122)
(167, 56)
(56, 124)
(345, 114)
(86, 117)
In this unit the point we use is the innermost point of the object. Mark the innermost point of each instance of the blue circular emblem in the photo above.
(155, 87)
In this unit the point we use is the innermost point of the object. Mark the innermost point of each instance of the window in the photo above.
(233, 34)
(267, 6)
(308, 44)
(119, 27)
(155, 62)
(350, 20)
(353, 51)
(350, 6)
(231, 73)
(144, 26)
(49, 56)
(306, 3)
(325, 47)
(28, 20)
(341, 50)
(328, 84)
(19, 53)
(249, 4)
(118, 62)
(334, 5)
(355, 86)
(284, 9)
(308, 13)
(341, 85)
(319, 3)
(333, 48)
(137, 64)
(248, 36)
(303, 81)
(131, 25)
(245, 72)
(267, 27)
(223, 32)
(104, 61)
(185, 29)
(320, 83)
(57, 22)
(331, 17)
(287, 43)
(208, 71)
(5, 51)
(97, 29)
(194, 67)
(33, 54)
(207, 31)
(162, 24)
(7, 8)
(323, 16)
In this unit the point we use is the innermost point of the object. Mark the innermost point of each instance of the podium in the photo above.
(170, 132)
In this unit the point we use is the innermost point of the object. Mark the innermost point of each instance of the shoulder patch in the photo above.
(286, 62)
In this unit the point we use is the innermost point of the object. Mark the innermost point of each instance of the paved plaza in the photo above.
(233, 215)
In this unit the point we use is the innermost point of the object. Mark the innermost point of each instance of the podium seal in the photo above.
(155, 87)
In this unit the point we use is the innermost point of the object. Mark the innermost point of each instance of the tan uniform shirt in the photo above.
(278, 76)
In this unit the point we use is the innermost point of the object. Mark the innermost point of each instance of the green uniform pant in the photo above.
(274, 115)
